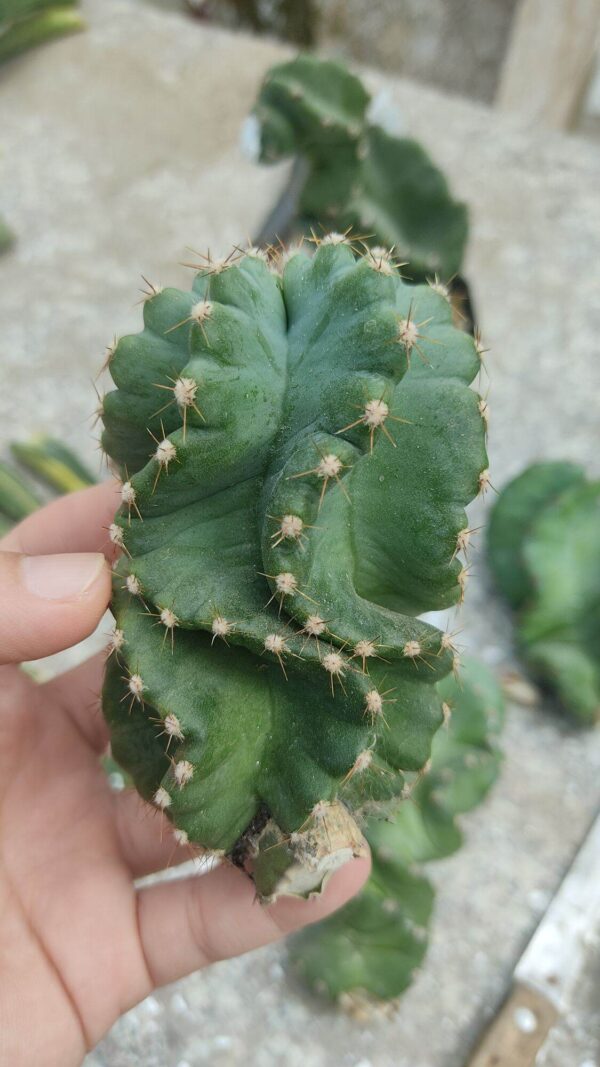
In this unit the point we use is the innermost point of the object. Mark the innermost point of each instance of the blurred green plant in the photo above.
(357, 174)
(369, 951)
(24, 24)
(6, 237)
(52, 464)
(544, 552)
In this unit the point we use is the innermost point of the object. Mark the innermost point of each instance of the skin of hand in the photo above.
(80, 942)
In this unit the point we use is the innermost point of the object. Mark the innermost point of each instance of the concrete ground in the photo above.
(119, 149)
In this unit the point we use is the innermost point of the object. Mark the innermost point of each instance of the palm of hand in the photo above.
(68, 902)
(80, 942)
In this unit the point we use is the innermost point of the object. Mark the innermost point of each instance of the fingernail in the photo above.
(61, 577)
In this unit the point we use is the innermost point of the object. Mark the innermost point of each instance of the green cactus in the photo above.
(544, 551)
(24, 24)
(358, 176)
(371, 948)
(297, 452)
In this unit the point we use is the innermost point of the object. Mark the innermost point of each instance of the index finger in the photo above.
(77, 522)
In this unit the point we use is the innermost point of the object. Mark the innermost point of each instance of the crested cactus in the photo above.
(297, 450)
(544, 551)
(370, 949)
(358, 176)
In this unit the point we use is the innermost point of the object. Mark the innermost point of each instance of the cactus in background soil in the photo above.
(544, 551)
(369, 950)
(296, 452)
(359, 176)
(24, 24)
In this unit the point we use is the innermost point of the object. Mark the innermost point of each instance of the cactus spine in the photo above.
(359, 177)
(544, 551)
(294, 489)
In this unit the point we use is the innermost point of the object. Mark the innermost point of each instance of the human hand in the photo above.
(79, 943)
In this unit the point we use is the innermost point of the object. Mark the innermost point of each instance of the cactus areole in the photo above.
(297, 442)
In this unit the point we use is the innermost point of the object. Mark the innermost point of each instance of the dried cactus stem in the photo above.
(300, 864)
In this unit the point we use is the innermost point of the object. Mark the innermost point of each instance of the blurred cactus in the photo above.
(370, 949)
(544, 551)
(359, 175)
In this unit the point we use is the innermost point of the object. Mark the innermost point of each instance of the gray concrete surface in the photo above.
(118, 151)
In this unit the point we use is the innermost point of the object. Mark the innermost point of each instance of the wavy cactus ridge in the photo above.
(369, 950)
(359, 176)
(268, 544)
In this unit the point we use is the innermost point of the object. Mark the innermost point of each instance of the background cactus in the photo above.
(296, 453)
(370, 949)
(544, 550)
(357, 176)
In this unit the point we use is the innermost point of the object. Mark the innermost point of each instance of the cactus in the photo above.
(296, 452)
(544, 551)
(24, 24)
(358, 176)
(370, 949)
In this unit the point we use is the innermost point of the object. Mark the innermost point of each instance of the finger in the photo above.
(50, 602)
(186, 924)
(77, 522)
(146, 837)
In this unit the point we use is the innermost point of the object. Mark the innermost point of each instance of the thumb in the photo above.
(48, 603)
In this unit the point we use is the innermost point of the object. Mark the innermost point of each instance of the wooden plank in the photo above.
(518, 1031)
(549, 60)
(546, 976)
